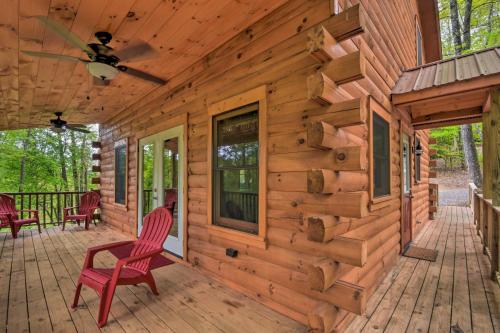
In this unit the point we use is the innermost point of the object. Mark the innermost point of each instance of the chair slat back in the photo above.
(156, 226)
(88, 202)
(7, 206)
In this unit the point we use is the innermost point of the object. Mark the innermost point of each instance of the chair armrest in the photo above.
(67, 210)
(129, 260)
(34, 211)
(92, 251)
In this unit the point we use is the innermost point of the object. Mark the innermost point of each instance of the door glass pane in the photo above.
(170, 180)
(147, 178)
(406, 166)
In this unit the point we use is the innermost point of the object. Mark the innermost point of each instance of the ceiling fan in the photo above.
(59, 126)
(103, 63)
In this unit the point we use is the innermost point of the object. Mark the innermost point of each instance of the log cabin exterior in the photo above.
(318, 75)
(334, 179)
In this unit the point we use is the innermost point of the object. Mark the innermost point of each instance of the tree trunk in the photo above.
(455, 27)
(470, 154)
(62, 161)
(74, 162)
(84, 165)
(22, 173)
(469, 148)
(466, 26)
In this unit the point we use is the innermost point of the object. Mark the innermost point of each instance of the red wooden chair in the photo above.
(84, 212)
(170, 199)
(9, 215)
(132, 269)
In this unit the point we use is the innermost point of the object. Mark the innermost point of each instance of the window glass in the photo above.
(121, 174)
(235, 169)
(419, 46)
(381, 157)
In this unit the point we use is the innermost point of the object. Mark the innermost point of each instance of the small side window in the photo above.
(120, 152)
(380, 153)
(420, 59)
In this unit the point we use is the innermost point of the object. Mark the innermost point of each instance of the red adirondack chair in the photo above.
(84, 212)
(9, 215)
(171, 199)
(132, 269)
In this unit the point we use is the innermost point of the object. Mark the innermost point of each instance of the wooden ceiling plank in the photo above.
(198, 48)
(30, 38)
(9, 61)
(111, 18)
(96, 98)
(83, 26)
(63, 12)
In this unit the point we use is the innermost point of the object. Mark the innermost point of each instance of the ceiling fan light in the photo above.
(102, 71)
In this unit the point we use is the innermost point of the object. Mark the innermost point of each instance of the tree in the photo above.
(462, 43)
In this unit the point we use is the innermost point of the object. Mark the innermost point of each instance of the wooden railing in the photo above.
(50, 205)
(487, 221)
(244, 205)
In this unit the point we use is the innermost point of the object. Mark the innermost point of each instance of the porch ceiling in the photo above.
(182, 31)
(448, 92)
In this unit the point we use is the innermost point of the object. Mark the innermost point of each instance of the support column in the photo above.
(494, 158)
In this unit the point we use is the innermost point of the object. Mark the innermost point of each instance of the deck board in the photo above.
(38, 274)
(454, 293)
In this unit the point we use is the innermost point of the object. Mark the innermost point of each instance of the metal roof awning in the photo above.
(448, 92)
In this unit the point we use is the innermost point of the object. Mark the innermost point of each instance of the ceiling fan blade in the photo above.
(135, 51)
(77, 128)
(100, 82)
(67, 35)
(141, 74)
(53, 56)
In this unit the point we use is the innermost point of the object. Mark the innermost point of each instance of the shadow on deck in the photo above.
(454, 293)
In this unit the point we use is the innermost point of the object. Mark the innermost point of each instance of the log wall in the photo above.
(328, 247)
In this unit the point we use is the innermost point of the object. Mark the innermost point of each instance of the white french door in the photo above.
(160, 181)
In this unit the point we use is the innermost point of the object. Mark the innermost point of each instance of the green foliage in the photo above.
(40, 150)
(485, 32)
(485, 25)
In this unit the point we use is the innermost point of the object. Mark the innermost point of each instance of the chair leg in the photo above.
(77, 295)
(150, 280)
(13, 231)
(105, 304)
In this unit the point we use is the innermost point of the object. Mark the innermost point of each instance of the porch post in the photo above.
(494, 158)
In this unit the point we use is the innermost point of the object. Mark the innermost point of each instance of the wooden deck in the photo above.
(452, 294)
(37, 283)
(38, 273)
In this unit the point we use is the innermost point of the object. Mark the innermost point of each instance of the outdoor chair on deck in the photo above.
(9, 216)
(136, 260)
(171, 199)
(84, 212)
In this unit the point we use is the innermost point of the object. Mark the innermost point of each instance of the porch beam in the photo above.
(476, 119)
(446, 116)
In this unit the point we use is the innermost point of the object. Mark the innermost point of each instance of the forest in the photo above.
(39, 160)
(466, 26)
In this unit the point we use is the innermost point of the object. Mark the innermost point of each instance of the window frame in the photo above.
(375, 107)
(120, 143)
(256, 95)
